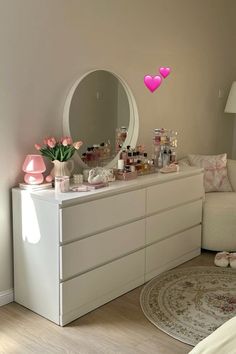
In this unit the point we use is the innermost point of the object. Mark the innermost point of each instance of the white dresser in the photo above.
(76, 251)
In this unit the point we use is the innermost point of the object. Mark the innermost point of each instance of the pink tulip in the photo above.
(51, 142)
(66, 141)
(45, 140)
(77, 144)
(37, 146)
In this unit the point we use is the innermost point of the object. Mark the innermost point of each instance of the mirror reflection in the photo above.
(100, 116)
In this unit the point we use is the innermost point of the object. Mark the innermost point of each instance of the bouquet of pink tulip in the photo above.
(61, 150)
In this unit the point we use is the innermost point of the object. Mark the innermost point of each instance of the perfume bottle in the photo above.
(145, 165)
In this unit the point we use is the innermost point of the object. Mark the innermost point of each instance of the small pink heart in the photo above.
(164, 71)
(152, 82)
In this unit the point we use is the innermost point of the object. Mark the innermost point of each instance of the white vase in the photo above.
(62, 168)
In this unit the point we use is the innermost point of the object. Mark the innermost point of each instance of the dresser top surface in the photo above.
(116, 187)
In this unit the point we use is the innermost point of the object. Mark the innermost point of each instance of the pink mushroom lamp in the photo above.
(33, 166)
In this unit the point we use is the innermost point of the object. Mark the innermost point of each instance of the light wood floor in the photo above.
(118, 327)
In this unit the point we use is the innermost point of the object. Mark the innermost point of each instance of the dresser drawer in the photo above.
(88, 218)
(90, 290)
(164, 252)
(173, 221)
(169, 194)
(79, 256)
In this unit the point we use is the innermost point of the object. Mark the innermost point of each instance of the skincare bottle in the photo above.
(120, 165)
(160, 160)
(166, 159)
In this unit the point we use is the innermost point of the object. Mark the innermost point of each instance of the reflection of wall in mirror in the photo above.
(122, 107)
(93, 111)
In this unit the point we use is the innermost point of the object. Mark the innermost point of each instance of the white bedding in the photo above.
(221, 341)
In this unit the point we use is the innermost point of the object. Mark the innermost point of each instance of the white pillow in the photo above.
(215, 171)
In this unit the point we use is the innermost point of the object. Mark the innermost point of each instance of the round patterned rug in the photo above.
(190, 303)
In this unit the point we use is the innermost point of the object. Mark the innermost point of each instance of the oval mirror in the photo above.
(101, 111)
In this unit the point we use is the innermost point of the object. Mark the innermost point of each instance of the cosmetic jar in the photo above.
(62, 184)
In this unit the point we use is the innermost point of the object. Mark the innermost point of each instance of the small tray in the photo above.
(126, 176)
(147, 172)
(170, 169)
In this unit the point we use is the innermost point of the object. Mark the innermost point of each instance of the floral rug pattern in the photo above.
(190, 303)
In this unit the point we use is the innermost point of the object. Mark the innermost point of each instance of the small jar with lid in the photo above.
(62, 184)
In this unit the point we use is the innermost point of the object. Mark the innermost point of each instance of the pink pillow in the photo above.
(215, 171)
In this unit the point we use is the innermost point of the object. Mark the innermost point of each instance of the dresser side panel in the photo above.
(36, 255)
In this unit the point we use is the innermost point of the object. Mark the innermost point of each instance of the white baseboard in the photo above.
(6, 297)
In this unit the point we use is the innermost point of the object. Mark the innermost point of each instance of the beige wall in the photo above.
(232, 117)
(47, 44)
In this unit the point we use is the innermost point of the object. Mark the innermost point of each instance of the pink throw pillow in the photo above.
(215, 171)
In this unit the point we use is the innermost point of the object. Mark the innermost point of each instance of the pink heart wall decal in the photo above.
(152, 82)
(164, 71)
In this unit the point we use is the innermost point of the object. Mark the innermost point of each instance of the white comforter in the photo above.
(221, 341)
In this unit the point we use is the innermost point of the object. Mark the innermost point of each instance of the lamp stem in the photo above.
(234, 141)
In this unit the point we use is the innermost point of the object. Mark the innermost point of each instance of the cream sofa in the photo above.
(219, 216)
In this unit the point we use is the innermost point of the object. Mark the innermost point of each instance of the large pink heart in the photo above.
(152, 82)
(164, 71)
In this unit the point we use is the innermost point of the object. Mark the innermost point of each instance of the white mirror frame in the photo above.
(133, 129)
